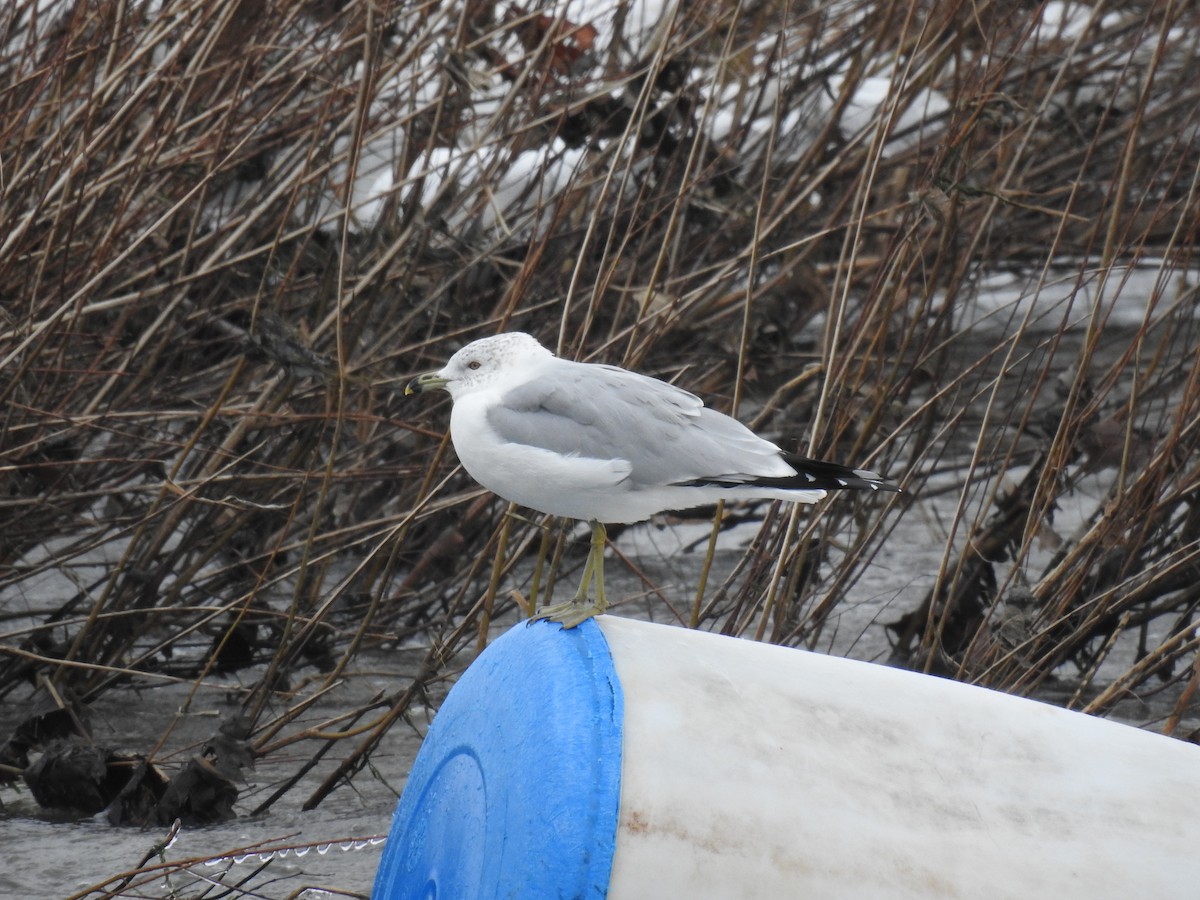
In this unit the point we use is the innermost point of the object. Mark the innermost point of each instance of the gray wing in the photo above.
(603, 412)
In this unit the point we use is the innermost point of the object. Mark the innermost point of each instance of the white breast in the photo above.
(574, 486)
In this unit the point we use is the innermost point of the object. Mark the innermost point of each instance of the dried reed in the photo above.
(206, 316)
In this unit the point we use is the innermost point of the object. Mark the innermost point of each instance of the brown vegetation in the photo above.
(201, 349)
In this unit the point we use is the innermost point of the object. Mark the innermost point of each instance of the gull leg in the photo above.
(589, 570)
(580, 608)
(599, 539)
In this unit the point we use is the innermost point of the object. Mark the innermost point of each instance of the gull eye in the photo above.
(474, 364)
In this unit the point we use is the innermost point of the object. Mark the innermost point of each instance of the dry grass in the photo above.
(202, 423)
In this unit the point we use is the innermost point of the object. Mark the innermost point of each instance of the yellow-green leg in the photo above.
(580, 608)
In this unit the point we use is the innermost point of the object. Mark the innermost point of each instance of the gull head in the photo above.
(482, 363)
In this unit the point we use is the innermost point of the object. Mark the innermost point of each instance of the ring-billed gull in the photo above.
(606, 445)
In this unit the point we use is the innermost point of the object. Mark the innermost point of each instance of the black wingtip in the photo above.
(816, 473)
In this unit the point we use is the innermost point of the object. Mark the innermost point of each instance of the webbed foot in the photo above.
(569, 614)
